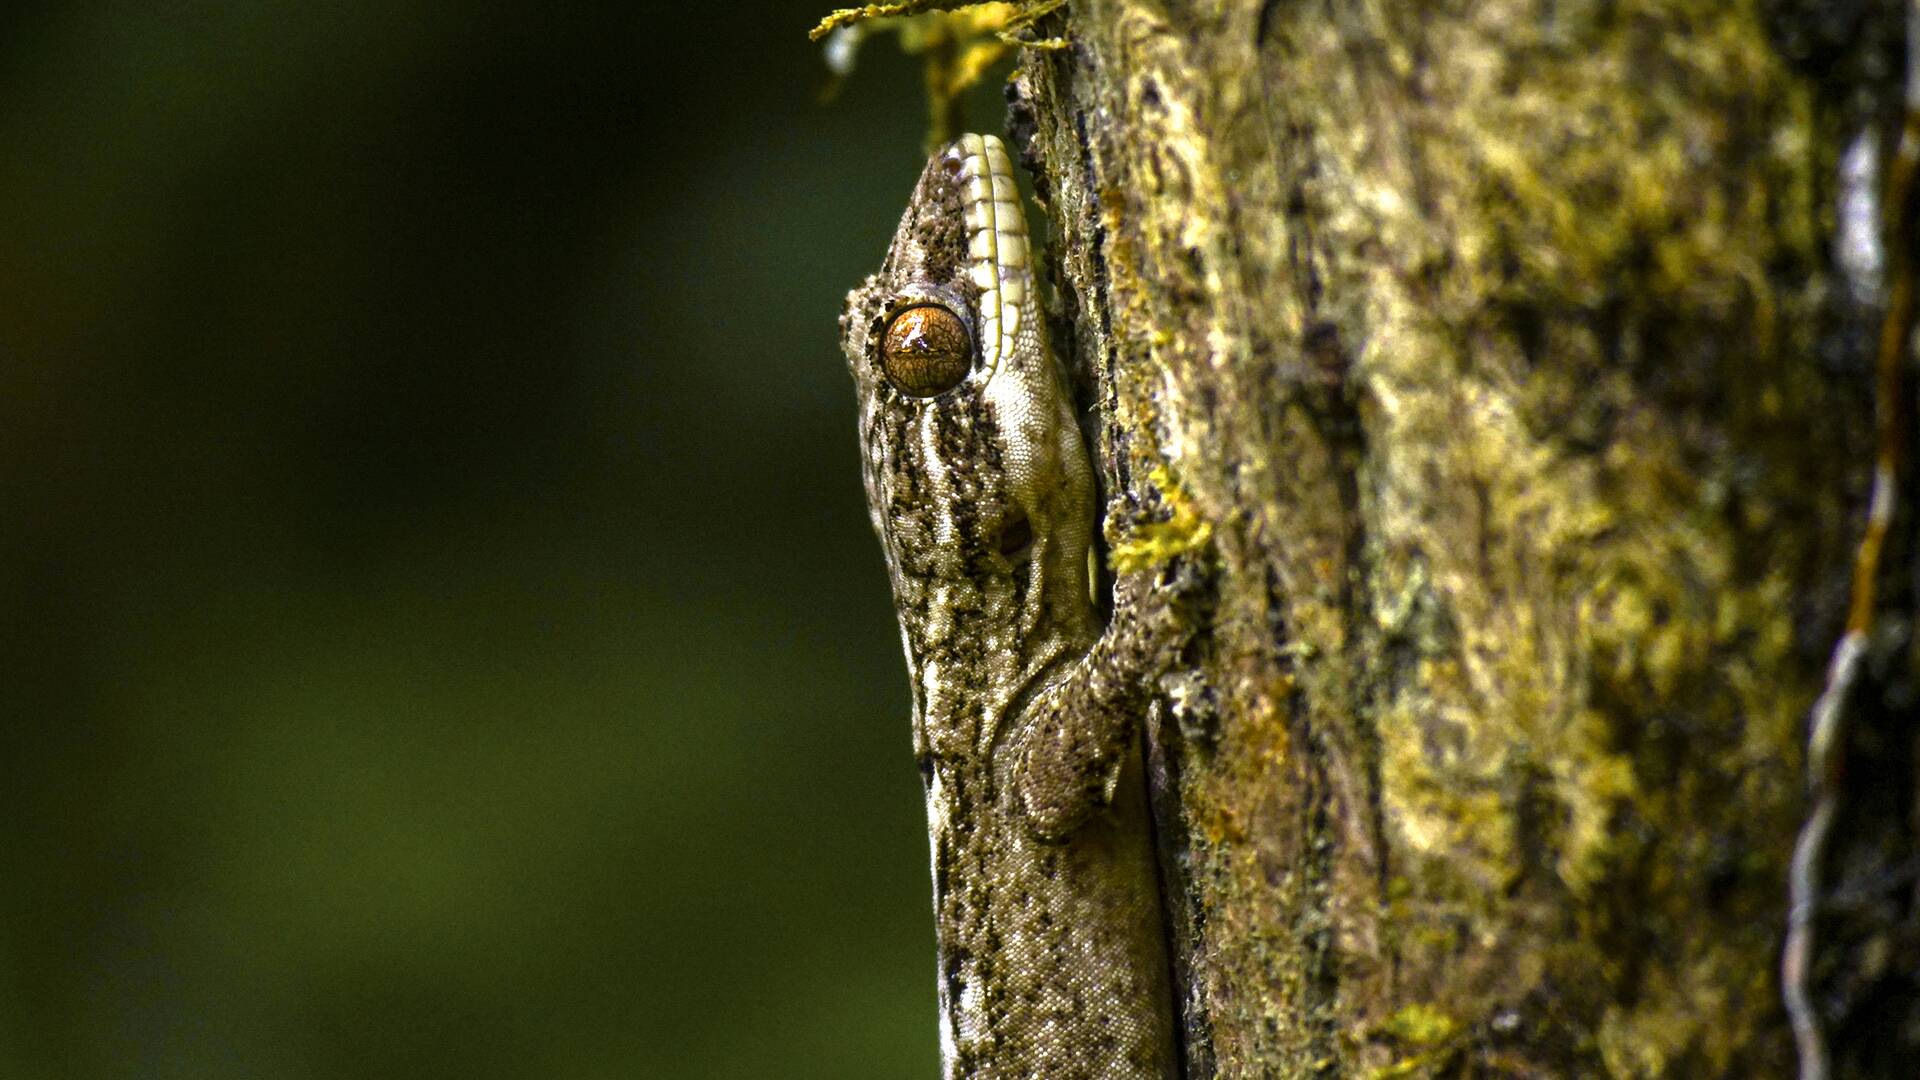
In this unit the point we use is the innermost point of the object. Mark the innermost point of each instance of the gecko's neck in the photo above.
(978, 647)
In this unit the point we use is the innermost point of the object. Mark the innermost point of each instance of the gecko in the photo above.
(1052, 949)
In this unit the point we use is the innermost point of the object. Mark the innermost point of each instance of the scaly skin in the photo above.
(1052, 950)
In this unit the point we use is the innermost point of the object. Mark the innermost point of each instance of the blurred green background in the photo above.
(443, 635)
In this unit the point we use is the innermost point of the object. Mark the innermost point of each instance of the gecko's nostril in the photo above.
(1016, 537)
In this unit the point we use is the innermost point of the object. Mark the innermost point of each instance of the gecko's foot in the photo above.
(1157, 611)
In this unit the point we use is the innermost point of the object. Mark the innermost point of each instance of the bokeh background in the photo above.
(442, 631)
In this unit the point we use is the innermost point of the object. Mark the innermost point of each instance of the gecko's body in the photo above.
(1052, 954)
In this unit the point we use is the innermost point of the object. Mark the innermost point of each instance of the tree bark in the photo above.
(1502, 362)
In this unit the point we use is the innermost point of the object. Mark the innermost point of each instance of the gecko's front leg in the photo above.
(1081, 730)
(1052, 955)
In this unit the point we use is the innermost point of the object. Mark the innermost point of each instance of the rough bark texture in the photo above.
(1501, 350)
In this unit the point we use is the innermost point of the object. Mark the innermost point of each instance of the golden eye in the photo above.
(927, 351)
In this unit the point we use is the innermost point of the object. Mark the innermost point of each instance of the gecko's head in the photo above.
(976, 475)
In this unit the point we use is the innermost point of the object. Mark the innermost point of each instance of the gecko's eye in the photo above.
(926, 351)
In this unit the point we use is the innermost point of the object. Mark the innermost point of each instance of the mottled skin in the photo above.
(1052, 953)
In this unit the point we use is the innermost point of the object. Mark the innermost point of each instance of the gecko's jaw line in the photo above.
(1016, 539)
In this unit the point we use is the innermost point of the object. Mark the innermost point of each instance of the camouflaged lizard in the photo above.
(1052, 951)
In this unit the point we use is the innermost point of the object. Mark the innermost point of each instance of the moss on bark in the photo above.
(1484, 339)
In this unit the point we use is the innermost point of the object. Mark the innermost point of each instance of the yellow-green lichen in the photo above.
(1420, 1024)
(959, 42)
(1594, 717)
(1427, 1030)
(1149, 544)
(1530, 782)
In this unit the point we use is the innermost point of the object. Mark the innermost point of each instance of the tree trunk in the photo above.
(1516, 361)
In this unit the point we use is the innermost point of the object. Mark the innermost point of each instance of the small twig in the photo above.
(1826, 735)
(849, 16)
(1823, 766)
